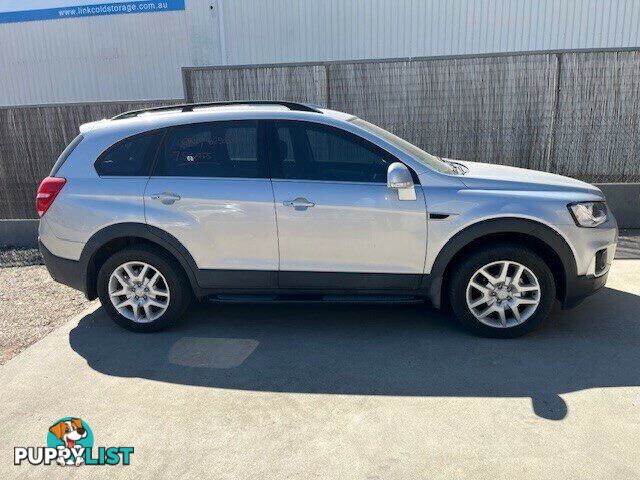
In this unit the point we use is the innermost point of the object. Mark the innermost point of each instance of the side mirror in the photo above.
(399, 177)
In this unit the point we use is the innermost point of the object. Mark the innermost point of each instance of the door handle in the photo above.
(166, 198)
(299, 203)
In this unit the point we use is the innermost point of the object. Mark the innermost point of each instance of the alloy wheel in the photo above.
(139, 292)
(503, 294)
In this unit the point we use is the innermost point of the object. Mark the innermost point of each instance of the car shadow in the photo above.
(401, 350)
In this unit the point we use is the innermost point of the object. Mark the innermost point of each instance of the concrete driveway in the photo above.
(330, 391)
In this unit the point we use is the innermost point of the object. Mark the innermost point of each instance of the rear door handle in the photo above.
(166, 198)
(299, 203)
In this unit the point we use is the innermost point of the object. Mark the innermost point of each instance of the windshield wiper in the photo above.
(457, 168)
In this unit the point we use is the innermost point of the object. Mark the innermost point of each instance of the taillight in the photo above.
(47, 193)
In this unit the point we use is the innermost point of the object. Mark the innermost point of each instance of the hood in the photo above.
(501, 177)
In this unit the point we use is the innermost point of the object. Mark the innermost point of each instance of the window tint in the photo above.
(310, 151)
(65, 154)
(130, 157)
(217, 149)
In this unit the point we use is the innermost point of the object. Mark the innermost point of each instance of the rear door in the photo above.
(339, 225)
(210, 189)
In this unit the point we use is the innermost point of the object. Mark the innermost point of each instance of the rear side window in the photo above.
(65, 154)
(132, 156)
(218, 149)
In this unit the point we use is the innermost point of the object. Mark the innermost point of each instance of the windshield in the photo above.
(420, 155)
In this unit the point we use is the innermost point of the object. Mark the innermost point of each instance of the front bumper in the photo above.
(594, 250)
(579, 288)
(63, 270)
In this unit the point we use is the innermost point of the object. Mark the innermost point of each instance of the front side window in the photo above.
(312, 151)
(130, 157)
(217, 149)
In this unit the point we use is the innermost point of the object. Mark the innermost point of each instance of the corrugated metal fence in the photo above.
(572, 113)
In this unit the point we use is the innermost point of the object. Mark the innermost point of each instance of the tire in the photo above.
(166, 301)
(519, 314)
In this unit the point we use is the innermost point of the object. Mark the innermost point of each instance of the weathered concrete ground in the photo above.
(321, 391)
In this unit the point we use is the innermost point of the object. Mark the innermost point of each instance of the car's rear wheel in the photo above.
(502, 291)
(142, 290)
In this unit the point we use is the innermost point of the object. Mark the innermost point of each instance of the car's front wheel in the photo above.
(502, 291)
(142, 290)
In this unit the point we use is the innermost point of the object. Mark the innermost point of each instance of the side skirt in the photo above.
(259, 282)
(300, 298)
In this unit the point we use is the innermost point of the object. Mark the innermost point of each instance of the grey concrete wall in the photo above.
(624, 202)
(19, 233)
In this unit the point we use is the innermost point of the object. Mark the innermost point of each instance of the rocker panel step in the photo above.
(248, 298)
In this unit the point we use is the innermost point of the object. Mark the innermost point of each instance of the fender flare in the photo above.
(539, 231)
(140, 230)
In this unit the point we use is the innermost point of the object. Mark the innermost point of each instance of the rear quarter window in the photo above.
(132, 156)
(65, 154)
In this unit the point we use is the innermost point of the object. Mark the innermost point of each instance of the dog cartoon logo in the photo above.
(72, 434)
(70, 442)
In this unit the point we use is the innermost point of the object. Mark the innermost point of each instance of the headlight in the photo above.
(588, 214)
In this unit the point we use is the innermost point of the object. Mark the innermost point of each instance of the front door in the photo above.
(339, 225)
(210, 190)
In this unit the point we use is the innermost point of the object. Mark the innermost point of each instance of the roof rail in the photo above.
(189, 107)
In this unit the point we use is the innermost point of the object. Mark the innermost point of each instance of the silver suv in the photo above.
(280, 201)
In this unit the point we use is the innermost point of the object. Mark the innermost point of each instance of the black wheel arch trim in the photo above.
(484, 228)
(138, 230)
(432, 282)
